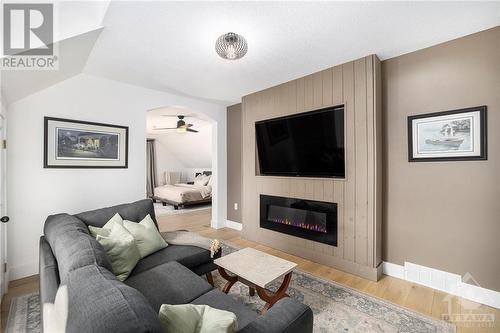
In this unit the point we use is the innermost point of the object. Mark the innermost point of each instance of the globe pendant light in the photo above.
(231, 46)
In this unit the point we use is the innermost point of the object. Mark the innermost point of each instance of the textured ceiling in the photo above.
(170, 45)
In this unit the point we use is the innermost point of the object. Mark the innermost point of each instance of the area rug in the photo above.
(169, 209)
(341, 309)
(24, 314)
(337, 309)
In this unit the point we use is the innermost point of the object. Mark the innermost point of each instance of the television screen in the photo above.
(308, 144)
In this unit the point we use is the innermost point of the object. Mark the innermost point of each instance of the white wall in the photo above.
(166, 160)
(184, 152)
(35, 192)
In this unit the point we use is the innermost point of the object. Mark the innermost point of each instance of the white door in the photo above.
(3, 204)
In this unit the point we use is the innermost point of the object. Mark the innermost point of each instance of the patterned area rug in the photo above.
(24, 314)
(340, 309)
(336, 308)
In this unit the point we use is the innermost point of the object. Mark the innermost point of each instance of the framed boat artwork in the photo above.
(81, 144)
(456, 135)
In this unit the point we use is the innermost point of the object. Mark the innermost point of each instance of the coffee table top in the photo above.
(255, 266)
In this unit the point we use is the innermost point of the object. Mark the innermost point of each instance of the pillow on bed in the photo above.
(210, 180)
(201, 180)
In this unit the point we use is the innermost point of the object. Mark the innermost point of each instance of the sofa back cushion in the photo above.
(135, 211)
(99, 303)
(72, 245)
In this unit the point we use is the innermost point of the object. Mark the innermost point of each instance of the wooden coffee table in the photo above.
(257, 270)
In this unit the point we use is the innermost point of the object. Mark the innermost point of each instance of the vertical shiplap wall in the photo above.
(356, 85)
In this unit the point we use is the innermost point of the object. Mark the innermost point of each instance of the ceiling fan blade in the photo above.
(191, 130)
(189, 125)
(177, 116)
(164, 128)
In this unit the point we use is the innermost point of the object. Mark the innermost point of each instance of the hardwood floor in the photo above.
(409, 295)
(413, 296)
(17, 288)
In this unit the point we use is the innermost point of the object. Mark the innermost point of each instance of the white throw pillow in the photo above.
(55, 315)
(210, 180)
(201, 180)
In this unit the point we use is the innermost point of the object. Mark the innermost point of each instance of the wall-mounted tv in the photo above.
(309, 144)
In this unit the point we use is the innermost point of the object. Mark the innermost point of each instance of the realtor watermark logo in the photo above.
(28, 37)
(470, 314)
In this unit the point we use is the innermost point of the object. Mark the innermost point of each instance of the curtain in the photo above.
(150, 167)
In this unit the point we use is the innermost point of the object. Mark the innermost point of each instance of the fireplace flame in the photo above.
(313, 227)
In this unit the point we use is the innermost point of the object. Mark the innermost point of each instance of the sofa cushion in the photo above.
(72, 246)
(48, 272)
(189, 256)
(99, 303)
(58, 224)
(135, 211)
(169, 283)
(217, 299)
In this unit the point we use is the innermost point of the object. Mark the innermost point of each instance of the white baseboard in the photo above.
(234, 225)
(394, 270)
(454, 284)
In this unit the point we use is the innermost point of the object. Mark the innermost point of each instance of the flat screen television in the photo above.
(309, 144)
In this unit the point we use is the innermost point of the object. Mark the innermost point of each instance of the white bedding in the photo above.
(183, 193)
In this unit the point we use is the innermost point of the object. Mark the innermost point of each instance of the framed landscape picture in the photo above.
(448, 136)
(81, 144)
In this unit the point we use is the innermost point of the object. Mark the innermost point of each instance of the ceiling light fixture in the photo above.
(231, 46)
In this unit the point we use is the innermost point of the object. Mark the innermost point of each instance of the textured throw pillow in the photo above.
(146, 236)
(190, 318)
(121, 249)
(104, 231)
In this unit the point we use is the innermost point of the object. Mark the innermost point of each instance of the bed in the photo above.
(186, 194)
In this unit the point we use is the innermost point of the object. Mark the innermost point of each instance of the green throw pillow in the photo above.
(190, 318)
(104, 231)
(146, 236)
(121, 249)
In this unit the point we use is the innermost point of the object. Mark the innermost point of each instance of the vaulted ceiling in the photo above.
(169, 46)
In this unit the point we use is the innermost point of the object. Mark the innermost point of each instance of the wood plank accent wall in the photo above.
(357, 85)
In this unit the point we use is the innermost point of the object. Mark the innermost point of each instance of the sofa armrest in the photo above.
(286, 316)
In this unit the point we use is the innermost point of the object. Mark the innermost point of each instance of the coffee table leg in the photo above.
(272, 298)
(230, 279)
(251, 291)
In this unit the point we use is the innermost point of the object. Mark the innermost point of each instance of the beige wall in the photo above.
(444, 215)
(356, 85)
(234, 162)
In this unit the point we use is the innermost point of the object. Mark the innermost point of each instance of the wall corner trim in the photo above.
(444, 281)
(234, 225)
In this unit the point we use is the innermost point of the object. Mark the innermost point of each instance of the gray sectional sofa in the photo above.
(98, 302)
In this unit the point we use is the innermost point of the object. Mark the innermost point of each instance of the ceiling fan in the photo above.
(182, 127)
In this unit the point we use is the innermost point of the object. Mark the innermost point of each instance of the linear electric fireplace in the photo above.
(314, 220)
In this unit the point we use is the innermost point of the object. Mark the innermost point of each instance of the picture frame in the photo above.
(455, 135)
(78, 144)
